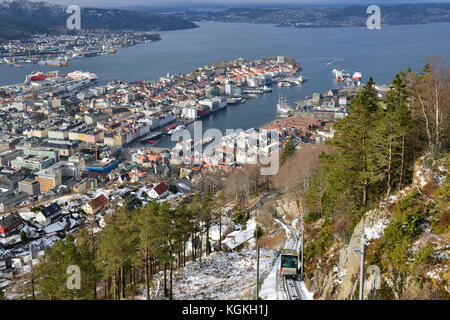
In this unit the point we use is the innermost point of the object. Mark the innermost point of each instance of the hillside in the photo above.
(407, 238)
(27, 17)
(328, 17)
(13, 29)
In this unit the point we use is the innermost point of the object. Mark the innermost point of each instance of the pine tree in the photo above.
(205, 211)
(51, 273)
(219, 202)
(87, 248)
(145, 222)
(288, 150)
(351, 138)
(117, 247)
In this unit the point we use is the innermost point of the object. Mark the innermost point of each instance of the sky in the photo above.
(150, 3)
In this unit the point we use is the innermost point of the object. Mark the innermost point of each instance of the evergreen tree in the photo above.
(52, 274)
(117, 247)
(288, 150)
(351, 138)
(87, 248)
(205, 212)
(145, 223)
(219, 201)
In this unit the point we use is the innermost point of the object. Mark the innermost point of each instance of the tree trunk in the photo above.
(220, 230)
(201, 246)
(364, 167)
(194, 250)
(427, 122)
(208, 246)
(437, 115)
(165, 279)
(389, 168)
(114, 284)
(130, 275)
(147, 282)
(171, 279)
(122, 281)
(402, 163)
(257, 269)
(184, 251)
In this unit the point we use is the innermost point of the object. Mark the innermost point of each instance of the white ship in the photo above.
(267, 88)
(178, 128)
(80, 75)
(283, 107)
(357, 76)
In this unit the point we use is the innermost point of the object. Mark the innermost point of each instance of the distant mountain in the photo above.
(19, 18)
(350, 16)
(11, 29)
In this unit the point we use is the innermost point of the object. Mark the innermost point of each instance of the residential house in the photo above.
(236, 239)
(49, 214)
(159, 192)
(9, 224)
(95, 205)
(162, 171)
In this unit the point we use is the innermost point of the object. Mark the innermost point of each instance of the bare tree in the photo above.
(295, 175)
(430, 98)
(242, 183)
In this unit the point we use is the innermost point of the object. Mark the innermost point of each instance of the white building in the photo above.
(159, 192)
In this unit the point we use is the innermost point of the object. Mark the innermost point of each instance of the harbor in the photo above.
(58, 51)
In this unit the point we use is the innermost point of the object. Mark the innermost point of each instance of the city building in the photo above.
(30, 187)
(10, 199)
(8, 155)
(32, 162)
(9, 224)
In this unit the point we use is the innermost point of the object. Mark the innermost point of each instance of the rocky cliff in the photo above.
(407, 245)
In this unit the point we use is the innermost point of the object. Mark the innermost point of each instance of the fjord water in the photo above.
(378, 53)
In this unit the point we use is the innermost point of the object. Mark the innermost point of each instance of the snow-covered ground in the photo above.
(268, 289)
(377, 230)
(220, 276)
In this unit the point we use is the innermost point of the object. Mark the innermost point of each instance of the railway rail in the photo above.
(289, 285)
(292, 290)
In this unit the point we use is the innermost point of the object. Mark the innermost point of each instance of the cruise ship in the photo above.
(283, 107)
(39, 76)
(79, 75)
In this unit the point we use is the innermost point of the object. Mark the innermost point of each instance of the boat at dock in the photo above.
(234, 101)
(267, 88)
(79, 75)
(357, 76)
(11, 62)
(283, 107)
(54, 63)
(178, 128)
(151, 136)
(40, 76)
